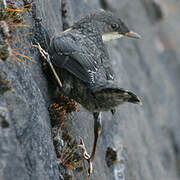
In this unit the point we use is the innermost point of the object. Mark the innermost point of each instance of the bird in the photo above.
(81, 59)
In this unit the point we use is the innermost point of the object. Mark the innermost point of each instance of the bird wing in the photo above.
(81, 56)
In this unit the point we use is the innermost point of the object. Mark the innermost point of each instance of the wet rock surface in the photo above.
(146, 138)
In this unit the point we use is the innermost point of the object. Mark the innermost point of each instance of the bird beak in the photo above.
(132, 35)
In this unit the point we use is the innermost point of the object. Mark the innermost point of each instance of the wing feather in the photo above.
(79, 55)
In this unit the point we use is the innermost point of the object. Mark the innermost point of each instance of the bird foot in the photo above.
(86, 156)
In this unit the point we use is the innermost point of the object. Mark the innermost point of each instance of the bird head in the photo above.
(111, 26)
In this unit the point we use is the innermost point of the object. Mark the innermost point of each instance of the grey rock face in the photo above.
(146, 138)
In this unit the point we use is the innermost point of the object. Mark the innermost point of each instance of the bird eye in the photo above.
(114, 26)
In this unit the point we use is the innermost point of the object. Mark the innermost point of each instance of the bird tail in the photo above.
(119, 94)
(133, 98)
(110, 96)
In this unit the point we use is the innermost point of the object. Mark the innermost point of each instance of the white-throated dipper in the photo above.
(84, 67)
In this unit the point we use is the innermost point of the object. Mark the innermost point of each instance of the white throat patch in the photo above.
(111, 36)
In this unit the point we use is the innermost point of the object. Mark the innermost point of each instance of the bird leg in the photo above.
(97, 131)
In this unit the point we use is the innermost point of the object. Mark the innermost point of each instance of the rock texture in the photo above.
(147, 138)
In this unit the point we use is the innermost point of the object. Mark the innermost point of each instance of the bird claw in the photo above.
(90, 169)
(84, 151)
(86, 156)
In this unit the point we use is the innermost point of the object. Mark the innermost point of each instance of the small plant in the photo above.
(111, 157)
(12, 18)
(60, 108)
(69, 157)
(65, 143)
